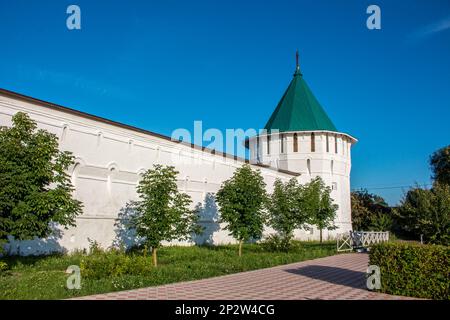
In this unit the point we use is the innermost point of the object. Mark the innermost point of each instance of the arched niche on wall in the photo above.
(130, 145)
(74, 172)
(205, 186)
(113, 169)
(99, 138)
(64, 130)
(186, 182)
(140, 173)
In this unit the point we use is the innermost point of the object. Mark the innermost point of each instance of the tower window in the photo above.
(282, 143)
(335, 144)
(268, 144)
(257, 148)
(295, 143)
(313, 142)
(328, 144)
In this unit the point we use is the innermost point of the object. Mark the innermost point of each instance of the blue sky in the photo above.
(160, 65)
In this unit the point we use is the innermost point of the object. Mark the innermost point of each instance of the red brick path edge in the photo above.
(339, 277)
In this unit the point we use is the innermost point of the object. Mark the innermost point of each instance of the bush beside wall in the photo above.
(413, 269)
(3, 266)
(113, 263)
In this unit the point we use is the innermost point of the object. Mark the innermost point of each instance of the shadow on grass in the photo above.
(335, 275)
(16, 260)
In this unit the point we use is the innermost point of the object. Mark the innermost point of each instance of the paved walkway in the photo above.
(336, 277)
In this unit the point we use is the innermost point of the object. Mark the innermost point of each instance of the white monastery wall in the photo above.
(110, 158)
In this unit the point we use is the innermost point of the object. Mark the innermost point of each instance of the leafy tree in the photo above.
(35, 190)
(241, 202)
(368, 209)
(286, 209)
(427, 212)
(380, 222)
(440, 165)
(162, 213)
(280, 214)
(319, 205)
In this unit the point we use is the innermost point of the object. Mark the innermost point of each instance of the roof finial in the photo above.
(297, 65)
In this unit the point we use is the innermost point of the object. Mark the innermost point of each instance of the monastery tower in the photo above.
(301, 138)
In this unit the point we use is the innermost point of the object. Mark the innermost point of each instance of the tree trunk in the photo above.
(155, 259)
(240, 248)
(320, 236)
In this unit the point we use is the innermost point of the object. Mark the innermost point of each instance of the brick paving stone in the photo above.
(338, 277)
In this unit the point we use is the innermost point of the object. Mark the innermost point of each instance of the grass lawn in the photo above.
(45, 278)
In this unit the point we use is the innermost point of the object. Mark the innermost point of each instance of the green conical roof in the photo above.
(299, 110)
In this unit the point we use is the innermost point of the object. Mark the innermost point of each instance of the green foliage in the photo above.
(113, 263)
(285, 208)
(370, 211)
(3, 266)
(94, 246)
(44, 277)
(162, 213)
(241, 201)
(380, 222)
(292, 206)
(275, 243)
(35, 190)
(319, 206)
(440, 165)
(427, 212)
(413, 270)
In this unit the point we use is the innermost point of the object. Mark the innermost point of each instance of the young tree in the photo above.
(162, 213)
(285, 208)
(319, 205)
(241, 202)
(427, 212)
(35, 190)
(279, 211)
(369, 211)
(381, 222)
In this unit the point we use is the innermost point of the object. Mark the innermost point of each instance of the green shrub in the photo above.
(380, 222)
(275, 243)
(113, 263)
(413, 270)
(3, 266)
